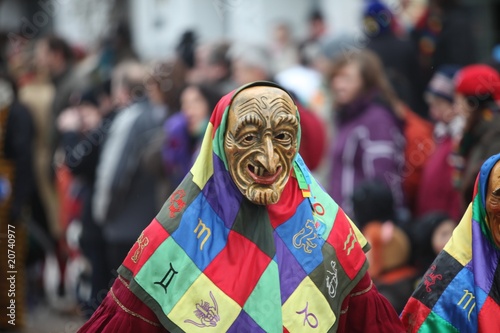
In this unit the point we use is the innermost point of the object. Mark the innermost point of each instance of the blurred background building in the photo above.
(157, 24)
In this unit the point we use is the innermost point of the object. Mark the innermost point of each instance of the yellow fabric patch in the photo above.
(204, 308)
(307, 310)
(459, 246)
(203, 168)
(361, 239)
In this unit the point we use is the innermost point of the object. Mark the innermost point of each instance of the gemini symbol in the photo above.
(170, 275)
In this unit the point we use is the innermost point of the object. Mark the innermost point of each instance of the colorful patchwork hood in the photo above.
(460, 292)
(212, 261)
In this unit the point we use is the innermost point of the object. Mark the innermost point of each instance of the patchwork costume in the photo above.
(212, 261)
(460, 292)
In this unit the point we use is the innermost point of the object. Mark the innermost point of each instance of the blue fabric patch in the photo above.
(203, 236)
(300, 236)
(458, 303)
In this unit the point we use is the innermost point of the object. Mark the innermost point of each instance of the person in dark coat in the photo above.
(125, 190)
(16, 189)
(398, 55)
(83, 143)
(443, 35)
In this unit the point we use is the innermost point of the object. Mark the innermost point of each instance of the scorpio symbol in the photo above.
(207, 314)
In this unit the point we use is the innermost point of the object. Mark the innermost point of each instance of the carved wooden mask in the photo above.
(261, 142)
(493, 203)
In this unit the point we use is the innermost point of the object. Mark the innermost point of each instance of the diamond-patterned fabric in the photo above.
(460, 291)
(213, 261)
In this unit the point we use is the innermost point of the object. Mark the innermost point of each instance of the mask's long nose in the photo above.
(268, 158)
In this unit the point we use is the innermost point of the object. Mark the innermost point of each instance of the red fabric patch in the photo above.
(414, 315)
(145, 246)
(285, 330)
(476, 187)
(489, 317)
(346, 245)
(286, 207)
(218, 112)
(238, 267)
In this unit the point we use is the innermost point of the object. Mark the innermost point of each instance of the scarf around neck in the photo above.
(213, 261)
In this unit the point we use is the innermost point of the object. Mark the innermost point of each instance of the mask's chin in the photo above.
(262, 195)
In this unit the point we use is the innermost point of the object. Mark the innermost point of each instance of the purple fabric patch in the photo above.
(222, 194)
(243, 324)
(484, 258)
(291, 273)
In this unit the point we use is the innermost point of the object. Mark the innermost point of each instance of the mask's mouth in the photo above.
(261, 176)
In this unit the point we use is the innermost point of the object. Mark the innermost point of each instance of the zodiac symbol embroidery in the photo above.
(471, 297)
(177, 203)
(207, 314)
(332, 280)
(170, 275)
(309, 237)
(352, 241)
(411, 321)
(430, 278)
(203, 228)
(307, 315)
(142, 242)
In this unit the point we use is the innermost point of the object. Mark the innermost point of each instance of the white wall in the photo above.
(158, 24)
(81, 22)
(252, 21)
(343, 16)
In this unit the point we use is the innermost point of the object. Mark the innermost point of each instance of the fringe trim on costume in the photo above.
(364, 291)
(129, 311)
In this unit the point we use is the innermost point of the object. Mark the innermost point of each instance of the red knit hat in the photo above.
(478, 80)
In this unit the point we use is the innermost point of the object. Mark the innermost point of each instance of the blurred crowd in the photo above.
(395, 125)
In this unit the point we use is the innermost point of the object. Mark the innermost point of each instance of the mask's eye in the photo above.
(249, 138)
(280, 136)
(283, 138)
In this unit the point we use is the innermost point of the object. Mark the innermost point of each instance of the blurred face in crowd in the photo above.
(154, 92)
(244, 73)
(90, 116)
(462, 106)
(442, 235)
(493, 203)
(282, 34)
(347, 84)
(48, 60)
(317, 28)
(261, 142)
(196, 109)
(42, 54)
(440, 109)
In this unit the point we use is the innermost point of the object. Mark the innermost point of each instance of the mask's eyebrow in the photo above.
(249, 119)
(283, 112)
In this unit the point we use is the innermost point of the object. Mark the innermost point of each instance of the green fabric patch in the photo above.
(331, 279)
(168, 274)
(435, 323)
(324, 208)
(264, 304)
(253, 222)
(218, 142)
